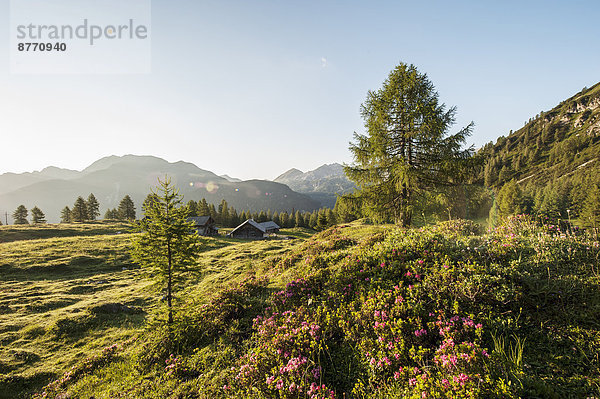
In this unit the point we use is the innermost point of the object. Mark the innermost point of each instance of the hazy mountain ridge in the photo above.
(111, 178)
(323, 184)
(231, 179)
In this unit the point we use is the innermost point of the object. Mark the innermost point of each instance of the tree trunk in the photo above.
(404, 218)
(169, 282)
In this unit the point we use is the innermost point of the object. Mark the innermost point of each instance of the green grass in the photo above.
(70, 290)
(50, 288)
(31, 232)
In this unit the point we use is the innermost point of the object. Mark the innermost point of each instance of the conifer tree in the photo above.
(346, 211)
(407, 149)
(555, 201)
(148, 202)
(20, 215)
(108, 215)
(313, 220)
(213, 213)
(65, 215)
(193, 207)
(93, 207)
(284, 218)
(224, 213)
(298, 220)
(322, 219)
(37, 216)
(203, 209)
(276, 218)
(262, 217)
(307, 216)
(331, 220)
(235, 219)
(79, 212)
(168, 242)
(590, 213)
(509, 199)
(126, 209)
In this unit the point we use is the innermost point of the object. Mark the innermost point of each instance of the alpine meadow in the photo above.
(424, 264)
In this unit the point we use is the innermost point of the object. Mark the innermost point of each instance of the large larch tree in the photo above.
(406, 149)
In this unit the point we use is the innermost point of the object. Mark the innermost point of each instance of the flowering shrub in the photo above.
(174, 366)
(377, 317)
(285, 361)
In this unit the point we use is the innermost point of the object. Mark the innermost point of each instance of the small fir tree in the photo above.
(20, 215)
(126, 209)
(167, 242)
(37, 216)
(65, 215)
(93, 207)
(79, 212)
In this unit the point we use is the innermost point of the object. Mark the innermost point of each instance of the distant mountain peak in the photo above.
(324, 183)
(107, 162)
(231, 179)
(290, 174)
(58, 173)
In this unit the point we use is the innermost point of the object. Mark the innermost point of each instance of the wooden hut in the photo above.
(254, 230)
(205, 225)
(270, 227)
(248, 230)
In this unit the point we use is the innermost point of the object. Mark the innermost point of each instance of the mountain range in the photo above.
(113, 177)
(323, 184)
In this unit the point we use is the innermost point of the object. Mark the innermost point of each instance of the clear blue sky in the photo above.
(253, 88)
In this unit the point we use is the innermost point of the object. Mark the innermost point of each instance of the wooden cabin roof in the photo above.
(201, 221)
(270, 225)
(252, 223)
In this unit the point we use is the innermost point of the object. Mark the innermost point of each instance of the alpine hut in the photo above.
(204, 225)
(254, 230)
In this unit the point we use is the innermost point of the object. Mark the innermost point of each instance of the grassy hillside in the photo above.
(553, 144)
(551, 166)
(32, 232)
(364, 311)
(69, 290)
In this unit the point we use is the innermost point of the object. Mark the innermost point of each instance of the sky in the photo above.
(254, 88)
